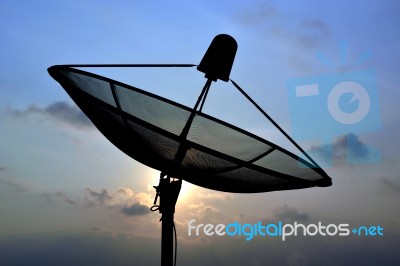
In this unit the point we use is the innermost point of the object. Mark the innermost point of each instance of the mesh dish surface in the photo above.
(217, 155)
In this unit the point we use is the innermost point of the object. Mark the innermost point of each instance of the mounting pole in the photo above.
(168, 191)
(216, 64)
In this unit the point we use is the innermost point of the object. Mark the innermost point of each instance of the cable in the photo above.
(176, 243)
(154, 208)
(126, 65)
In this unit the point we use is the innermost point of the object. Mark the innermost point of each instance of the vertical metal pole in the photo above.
(167, 240)
(168, 191)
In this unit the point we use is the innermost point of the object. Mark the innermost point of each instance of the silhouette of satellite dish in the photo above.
(183, 142)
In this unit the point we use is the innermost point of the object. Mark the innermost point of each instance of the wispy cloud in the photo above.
(294, 38)
(283, 26)
(214, 196)
(289, 214)
(316, 25)
(61, 112)
(257, 13)
(9, 179)
(391, 185)
(59, 195)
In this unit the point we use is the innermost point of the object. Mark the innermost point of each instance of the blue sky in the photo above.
(65, 190)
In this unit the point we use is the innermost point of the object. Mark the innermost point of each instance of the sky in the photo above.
(69, 197)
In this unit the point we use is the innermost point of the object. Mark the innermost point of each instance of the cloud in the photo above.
(357, 148)
(305, 35)
(125, 191)
(257, 13)
(122, 196)
(58, 111)
(315, 24)
(214, 196)
(94, 198)
(14, 185)
(78, 248)
(59, 195)
(391, 185)
(98, 247)
(143, 198)
(294, 39)
(123, 199)
(288, 214)
(347, 148)
(8, 179)
(67, 113)
(283, 26)
(296, 259)
(201, 209)
(315, 28)
(136, 210)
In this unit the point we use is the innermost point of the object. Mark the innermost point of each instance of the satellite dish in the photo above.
(184, 142)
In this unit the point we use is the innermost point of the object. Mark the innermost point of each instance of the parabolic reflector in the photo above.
(218, 155)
